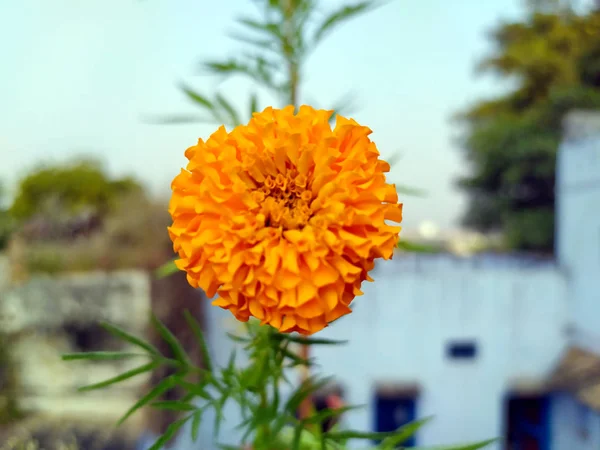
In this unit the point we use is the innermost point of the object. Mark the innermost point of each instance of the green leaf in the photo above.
(197, 390)
(169, 433)
(253, 104)
(166, 384)
(403, 434)
(219, 415)
(306, 388)
(122, 334)
(417, 248)
(296, 360)
(196, 97)
(174, 405)
(350, 434)
(174, 344)
(168, 268)
(262, 44)
(344, 106)
(236, 338)
(327, 413)
(407, 190)
(475, 446)
(122, 377)
(307, 340)
(271, 29)
(233, 115)
(196, 419)
(339, 16)
(197, 330)
(101, 356)
(180, 119)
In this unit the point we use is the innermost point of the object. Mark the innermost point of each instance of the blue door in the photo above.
(528, 423)
(394, 411)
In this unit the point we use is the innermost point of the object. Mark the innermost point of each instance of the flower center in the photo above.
(285, 201)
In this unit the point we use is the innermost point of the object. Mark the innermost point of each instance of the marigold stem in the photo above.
(306, 405)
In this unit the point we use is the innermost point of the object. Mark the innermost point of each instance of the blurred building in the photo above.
(491, 346)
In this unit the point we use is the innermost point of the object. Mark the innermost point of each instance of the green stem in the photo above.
(291, 57)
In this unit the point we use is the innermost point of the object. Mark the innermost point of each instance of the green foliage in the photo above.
(7, 222)
(511, 142)
(269, 421)
(68, 189)
(273, 52)
(9, 408)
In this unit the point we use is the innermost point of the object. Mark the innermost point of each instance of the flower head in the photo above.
(284, 217)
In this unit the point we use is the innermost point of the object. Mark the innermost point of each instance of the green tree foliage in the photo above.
(6, 221)
(69, 189)
(512, 141)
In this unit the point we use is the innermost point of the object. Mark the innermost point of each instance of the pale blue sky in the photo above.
(77, 76)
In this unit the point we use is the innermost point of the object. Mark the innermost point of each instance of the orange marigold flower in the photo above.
(284, 217)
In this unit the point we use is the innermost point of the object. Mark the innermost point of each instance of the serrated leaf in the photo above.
(178, 350)
(124, 335)
(403, 434)
(174, 405)
(339, 16)
(169, 433)
(165, 385)
(196, 97)
(197, 330)
(101, 356)
(122, 377)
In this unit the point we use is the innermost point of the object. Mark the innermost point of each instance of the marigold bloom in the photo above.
(284, 217)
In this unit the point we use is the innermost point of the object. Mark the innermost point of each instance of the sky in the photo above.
(80, 78)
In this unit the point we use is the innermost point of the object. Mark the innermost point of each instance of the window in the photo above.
(463, 350)
(527, 422)
(395, 407)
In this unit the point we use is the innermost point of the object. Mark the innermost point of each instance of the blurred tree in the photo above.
(67, 190)
(6, 220)
(511, 141)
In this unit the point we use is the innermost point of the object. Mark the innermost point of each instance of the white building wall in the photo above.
(399, 330)
(574, 426)
(578, 245)
(578, 224)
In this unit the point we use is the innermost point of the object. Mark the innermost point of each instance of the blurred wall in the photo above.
(515, 314)
(578, 231)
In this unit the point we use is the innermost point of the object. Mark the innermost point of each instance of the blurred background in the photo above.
(488, 315)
